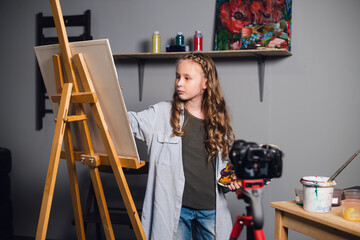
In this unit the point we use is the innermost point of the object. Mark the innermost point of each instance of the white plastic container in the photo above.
(318, 193)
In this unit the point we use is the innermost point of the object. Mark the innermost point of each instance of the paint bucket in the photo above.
(318, 193)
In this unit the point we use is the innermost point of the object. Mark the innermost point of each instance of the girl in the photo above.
(187, 141)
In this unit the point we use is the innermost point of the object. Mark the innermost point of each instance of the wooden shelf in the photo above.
(259, 54)
(266, 52)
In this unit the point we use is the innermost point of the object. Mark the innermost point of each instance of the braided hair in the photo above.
(217, 124)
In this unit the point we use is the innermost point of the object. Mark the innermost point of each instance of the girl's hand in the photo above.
(234, 184)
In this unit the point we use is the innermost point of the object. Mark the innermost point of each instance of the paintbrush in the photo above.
(343, 166)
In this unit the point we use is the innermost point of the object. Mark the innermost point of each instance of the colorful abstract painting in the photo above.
(251, 24)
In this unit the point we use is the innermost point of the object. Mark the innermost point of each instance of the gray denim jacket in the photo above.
(165, 185)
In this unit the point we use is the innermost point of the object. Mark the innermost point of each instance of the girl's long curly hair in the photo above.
(219, 133)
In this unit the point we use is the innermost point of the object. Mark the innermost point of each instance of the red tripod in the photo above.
(250, 193)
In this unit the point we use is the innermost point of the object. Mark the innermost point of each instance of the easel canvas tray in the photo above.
(98, 57)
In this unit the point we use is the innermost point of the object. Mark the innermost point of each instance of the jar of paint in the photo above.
(156, 42)
(180, 39)
(198, 41)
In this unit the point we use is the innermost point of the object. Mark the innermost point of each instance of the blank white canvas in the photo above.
(99, 60)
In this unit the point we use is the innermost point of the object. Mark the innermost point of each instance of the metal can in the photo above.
(180, 39)
(198, 41)
(156, 42)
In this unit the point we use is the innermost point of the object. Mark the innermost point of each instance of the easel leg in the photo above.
(53, 162)
(110, 150)
(119, 174)
(74, 185)
(100, 198)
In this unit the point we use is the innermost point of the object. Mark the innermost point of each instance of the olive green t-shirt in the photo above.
(199, 192)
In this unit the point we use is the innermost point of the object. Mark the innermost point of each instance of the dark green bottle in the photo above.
(180, 39)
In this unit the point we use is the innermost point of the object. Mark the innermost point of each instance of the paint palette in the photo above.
(226, 175)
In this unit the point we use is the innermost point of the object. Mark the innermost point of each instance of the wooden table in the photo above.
(289, 215)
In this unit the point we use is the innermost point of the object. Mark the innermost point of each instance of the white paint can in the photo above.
(318, 193)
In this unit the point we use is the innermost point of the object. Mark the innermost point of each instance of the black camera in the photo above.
(253, 161)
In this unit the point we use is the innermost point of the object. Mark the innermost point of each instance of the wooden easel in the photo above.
(69, 94)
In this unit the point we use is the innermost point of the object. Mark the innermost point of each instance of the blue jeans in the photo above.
(198, 224)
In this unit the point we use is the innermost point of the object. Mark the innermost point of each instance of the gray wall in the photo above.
(310, 106)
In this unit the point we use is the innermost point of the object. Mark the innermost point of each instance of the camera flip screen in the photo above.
(252, 161)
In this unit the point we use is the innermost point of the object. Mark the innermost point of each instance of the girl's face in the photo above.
(190, 81)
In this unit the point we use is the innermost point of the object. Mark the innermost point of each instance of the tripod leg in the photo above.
(237, 228)
(53, 162)
(249, 228)
(259, 234)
